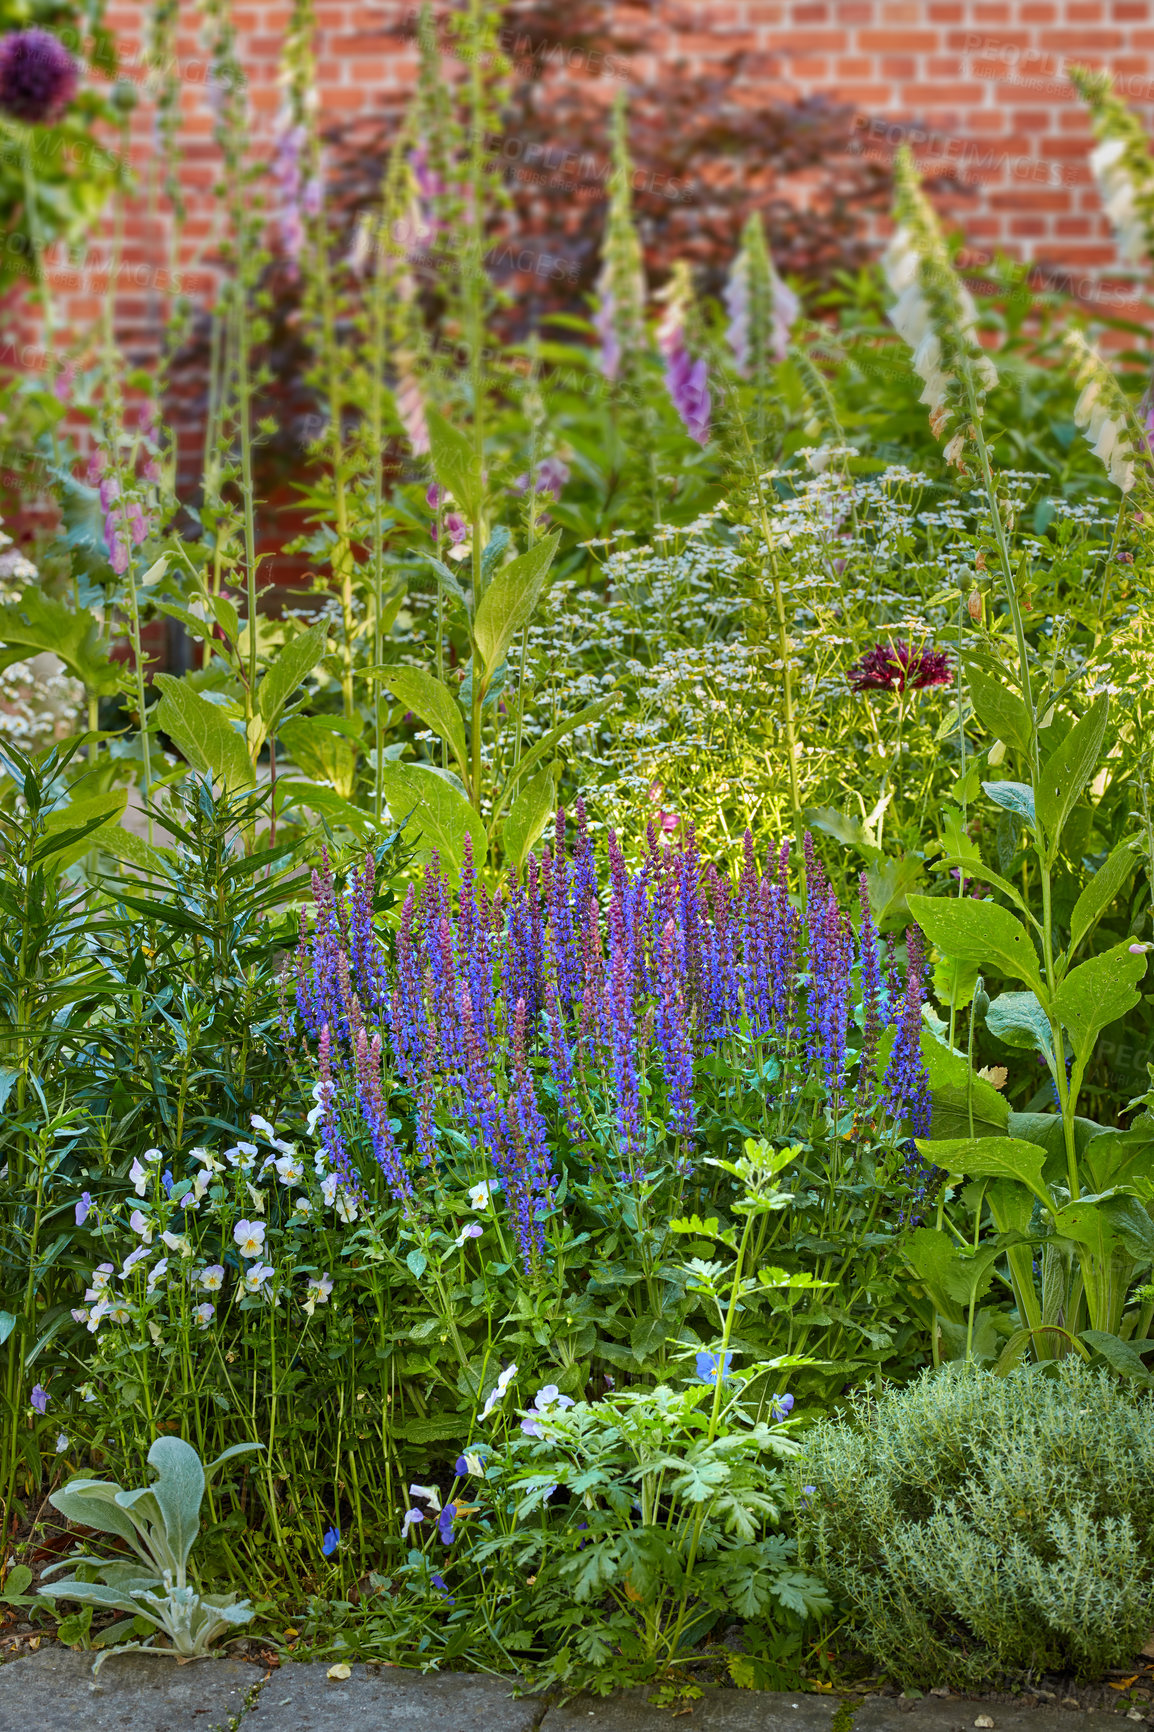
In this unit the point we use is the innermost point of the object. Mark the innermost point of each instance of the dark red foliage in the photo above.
(896, 667)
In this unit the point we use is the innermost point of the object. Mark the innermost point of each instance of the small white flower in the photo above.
(156, 1272)
(317, 1291)
(61, 1442)
(471, 1230)
(101, 1276)
(139, 1178)
(212, 1278)
(497, 1392)
(200, 1185)
(152, 1156)
(133, 1259)
(256, 1277)
(290, 1169)
(178, 1242)
(257, 1199)
(80, 1314)
(262, 1127)
(346, 1206)
(303, 1207)
(190, 1201)
(480, 1195)
(207, 1160)
(329, 1189)
(119, 1311)
(205, 1314)
(430, 1494)
(242, 1155)
(249, 1236)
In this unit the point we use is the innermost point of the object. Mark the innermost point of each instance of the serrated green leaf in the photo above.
(1069, 768)
(998, 709)
(509, 601)
(203, 734)
(981, 932)
(37, 623)
(434, 703)
(1097, 993)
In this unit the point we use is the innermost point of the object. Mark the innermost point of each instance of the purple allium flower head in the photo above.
(707, 1367)
(38, 77)
(82, 1207)
(39, 1398)
(331, 1541)
(897, 667)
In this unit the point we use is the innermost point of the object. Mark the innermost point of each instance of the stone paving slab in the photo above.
(301, 1698)
(959, 1714)
(51, 1691)
(713, 1711)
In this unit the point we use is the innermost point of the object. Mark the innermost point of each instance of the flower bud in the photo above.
(997, 753)
(974, 604)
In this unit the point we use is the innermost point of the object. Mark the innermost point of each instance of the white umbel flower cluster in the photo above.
(934, 313)
(1103, 413)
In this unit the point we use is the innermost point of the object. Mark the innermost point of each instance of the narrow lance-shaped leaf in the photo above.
(1069, 768)
(509, 601)
(528, 817)
(1107, 883)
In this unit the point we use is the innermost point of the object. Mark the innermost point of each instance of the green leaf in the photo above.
(990, 1158)
(36, 623)
(203, 734)
(998, 709)
(528, 817)
(7, 1325)
(455, 463)
(950, 1077)
(433, 702)
(930, 1254)
(289, 671)
(509, 601)
(844, 827)
(1069, 768)
(1019, 1020)
(17, 1581)
(91, 1503)
(969, 931)
(1017, 797)
(1097, 993)
(1104, 886)
(1121, 1356)
(889, 881)
(68, 828)
(127, 845)
(447, 579)
(325, 801)
(321, 751)
(438, 814)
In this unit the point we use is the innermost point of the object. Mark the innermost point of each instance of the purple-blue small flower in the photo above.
(707, 1364)
(781, 1407)
(445, 1523)
(439, 1583)
(82, 1208)
(39, 1398)
(167, 1181)
(331, 1541)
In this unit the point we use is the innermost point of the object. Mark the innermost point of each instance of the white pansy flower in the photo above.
(329, 1189)
(256, 1277)
(257, 1199)
(480, 1195)
(496, 1394)
(346, 1206)
(317, 1291)
(241, 1155)
(133, 1259)
(212, 1278)
(262, 1127)
(249, 1236)
(290, 1169)
(178, 1242)
(156, 1272)
(430, 1494)
(302, 1206)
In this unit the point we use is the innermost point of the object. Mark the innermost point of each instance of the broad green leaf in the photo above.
(455, 463)
(7, 1325)
(322, 752)
(1069, 768)
(975, 867)
(71, 830)
(1019, 1020)
(204, 735)
(509, 601)
(889, 881)
(36, 623)
(1121, 1356)
(990, 1158)
(291, 668)
(969, 931)
(324, 801)
(493, 552)
(1017, 797)
(434, 703)
(1107, 882)
(1097, 993)
(529, 815)
(844, 827)
(998, 709)
(954, 1087)
(17, 1581)
(1121, 1158)
(234, 1449)
(178, 1490)
(438, 814)
(930, 1253)
(127, 845)
(91, 1503)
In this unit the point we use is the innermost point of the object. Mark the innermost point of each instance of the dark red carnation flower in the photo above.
(895, 667)
(38, 76)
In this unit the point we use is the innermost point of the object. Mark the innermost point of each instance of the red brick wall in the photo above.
(980, 82)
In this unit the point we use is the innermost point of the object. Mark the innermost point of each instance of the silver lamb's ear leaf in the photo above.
(111, 1599)
(226, 1455)
(91, 1503)
(178, 1490)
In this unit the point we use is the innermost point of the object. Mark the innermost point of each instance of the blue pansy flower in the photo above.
(707, 1364)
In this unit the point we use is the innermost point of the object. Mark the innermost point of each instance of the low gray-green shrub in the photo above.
(976, 1527)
